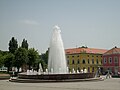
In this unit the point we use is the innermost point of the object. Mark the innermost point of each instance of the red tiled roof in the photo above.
(113, 51)
(85, 50)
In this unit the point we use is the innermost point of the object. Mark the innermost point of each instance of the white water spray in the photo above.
(57, 60)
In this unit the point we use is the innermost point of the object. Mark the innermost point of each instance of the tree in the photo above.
(13, 45)
(8, 58)
(32, 57)
(2, 56)
(44, 65)
(44, 57)
(1, 60)
(20, 57)
(24, 44)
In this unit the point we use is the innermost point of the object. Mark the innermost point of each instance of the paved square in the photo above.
(108, 84)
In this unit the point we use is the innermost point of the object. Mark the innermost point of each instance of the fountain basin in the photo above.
(23, 78)
(57, 76)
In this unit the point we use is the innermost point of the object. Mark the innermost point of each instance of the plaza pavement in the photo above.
(107, 84)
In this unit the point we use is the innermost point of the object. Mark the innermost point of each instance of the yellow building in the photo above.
(84, 58)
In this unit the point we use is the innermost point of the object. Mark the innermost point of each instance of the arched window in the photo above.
(78, 69)
(88, 69)
(110, 60)
(92, 69)
(105, 60)
(101, 61)
(83, 61)
(115, 59)
(97, 61)
(73, 62)
(78, 61)
(88, 61)
(92, 61)
(67, 61)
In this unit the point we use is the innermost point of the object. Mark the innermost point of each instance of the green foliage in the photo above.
(13, 45)
(44, 65)
(8, 58)
(44, 57)
(5, 52)
(24, 44)
(0, 52)
(33, 56)
(1, 60)
(20, 57)
(2, 57)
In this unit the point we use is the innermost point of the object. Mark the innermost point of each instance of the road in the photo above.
(108, 84)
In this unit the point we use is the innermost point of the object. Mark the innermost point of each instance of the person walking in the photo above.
(108, 74)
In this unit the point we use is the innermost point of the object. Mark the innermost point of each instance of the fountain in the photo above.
(57, 60)
(57, 67)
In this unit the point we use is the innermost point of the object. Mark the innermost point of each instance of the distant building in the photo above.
(84, 58)
(111, 60)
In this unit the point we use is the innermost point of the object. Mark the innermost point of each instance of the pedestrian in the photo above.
(108, 75)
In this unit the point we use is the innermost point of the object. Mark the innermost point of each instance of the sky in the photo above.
(92, 23)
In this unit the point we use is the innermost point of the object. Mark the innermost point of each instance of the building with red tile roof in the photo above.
(84, 58)
(85, 50)
(111, 60)
(114, 50)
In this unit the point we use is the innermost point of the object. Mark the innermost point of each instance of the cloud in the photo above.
(29, 22)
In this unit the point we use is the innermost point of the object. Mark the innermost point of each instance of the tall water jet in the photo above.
(57, 61)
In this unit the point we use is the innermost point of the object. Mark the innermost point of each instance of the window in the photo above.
(92, 61)
(97, 61)
(96, 56)
(83, 61)
(88, 55)
(78, 69)
(92, 56)
(101, 61)
(78, 56)
(105, 61)
(73, 56)
(73, 62)
(78, 61)
(115, 59)
(92, 69)
(67, 56)
(88, 69)
(110, 59)
(67, 61)
(88, 61)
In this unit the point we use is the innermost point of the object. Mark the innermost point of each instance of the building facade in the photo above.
(111, 61)
(84, 58)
